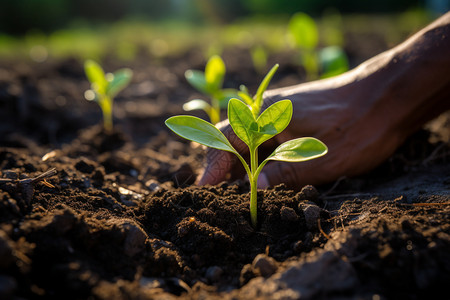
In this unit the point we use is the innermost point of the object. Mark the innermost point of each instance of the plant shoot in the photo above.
(304, 35)
(104, 87)
(253, 129)
(210, 83)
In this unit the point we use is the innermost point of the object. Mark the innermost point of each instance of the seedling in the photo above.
(210, 83)
(104, 87)
(304, 35)
(259, 58)
(253, 129)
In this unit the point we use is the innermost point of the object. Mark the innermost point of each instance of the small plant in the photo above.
(104, 87)
(304, 35)
(259, 58)
(210, 83)
(253, 129)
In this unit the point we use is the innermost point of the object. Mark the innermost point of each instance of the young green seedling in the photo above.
(304, 34)
(253, 129)
(104, 87)
(259, 58)
(210, 83)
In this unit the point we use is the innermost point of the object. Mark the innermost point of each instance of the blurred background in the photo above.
(21, 16)
(84, 28)
(44, 43)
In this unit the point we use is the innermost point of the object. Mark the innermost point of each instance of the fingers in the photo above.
(222, 165)
(219, 165)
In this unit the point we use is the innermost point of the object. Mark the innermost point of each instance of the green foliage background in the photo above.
(20, 16)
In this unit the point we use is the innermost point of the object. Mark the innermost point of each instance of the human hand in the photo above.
(362, 115)
(223, 165)
(326, 110)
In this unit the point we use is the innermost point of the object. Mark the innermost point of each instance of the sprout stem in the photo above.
(254, 186)
(106, 105)
(254, 201)
(215, 111)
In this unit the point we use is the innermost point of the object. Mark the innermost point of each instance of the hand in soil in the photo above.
(362, 115)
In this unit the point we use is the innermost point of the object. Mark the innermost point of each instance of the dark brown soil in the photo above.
(123, 220)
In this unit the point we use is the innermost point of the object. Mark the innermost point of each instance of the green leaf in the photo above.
(258, 99)
(242, 121)
(310, 61)
(203, 105)
(197, 80)
(197, 104)
(333, 61)
(200, 131)
(259, 58)
(96, 76)
(303, 31)
(120, 80)
(274, 120)
(297, 150)
(214, 73)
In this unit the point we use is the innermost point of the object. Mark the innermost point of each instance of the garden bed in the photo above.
(122, 218)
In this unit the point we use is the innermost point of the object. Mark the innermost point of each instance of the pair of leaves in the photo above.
(202, 132)
(106, 84)
(254, 131)
(210, 81)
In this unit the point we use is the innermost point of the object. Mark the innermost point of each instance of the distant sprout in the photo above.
(210, 83)
(104, 87)
(253, 128)
(259, 58)
(333, 61)
(304, 35)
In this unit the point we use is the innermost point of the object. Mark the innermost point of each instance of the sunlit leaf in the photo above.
(120, 80)
(274, 120)
(96, 76)
(196, 104)
(242, 121)
(200, 131)
(258, 99)
(197, 80)
(214, 73)
(297, 150)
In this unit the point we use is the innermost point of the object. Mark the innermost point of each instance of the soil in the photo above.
(122, 218)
